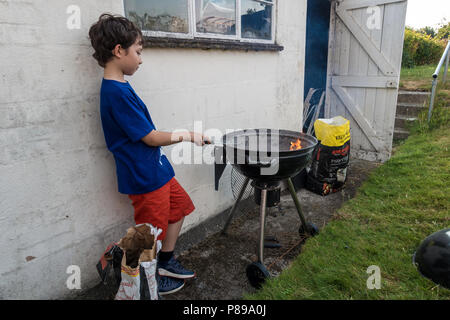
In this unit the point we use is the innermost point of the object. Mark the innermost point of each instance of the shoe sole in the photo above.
(164, 272)
(172, 291)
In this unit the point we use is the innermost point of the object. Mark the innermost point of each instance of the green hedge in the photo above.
(420, 49)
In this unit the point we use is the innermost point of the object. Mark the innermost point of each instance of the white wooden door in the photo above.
(364, 61)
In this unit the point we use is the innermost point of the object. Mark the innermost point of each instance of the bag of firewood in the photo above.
(133, 260)
(328, 171)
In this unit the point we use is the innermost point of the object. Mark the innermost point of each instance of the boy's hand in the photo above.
(199, 139)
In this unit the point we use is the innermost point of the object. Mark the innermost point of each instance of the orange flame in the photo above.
(295, 145)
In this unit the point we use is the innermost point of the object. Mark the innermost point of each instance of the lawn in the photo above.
(420, 79)
(402, 202)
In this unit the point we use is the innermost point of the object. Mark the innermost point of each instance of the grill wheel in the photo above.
(257, 274)
(311, 230)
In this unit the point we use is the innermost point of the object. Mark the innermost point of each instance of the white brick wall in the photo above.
(58, 192)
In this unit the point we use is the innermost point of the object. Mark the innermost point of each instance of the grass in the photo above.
(402, 202)
(440, 115)
(420, 77)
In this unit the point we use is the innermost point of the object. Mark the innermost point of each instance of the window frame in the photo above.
(193, 34)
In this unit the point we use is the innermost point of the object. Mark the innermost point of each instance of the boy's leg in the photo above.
(180, 206)
(154, 208)
(173, 230)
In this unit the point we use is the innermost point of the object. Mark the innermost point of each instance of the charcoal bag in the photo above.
(328, 171)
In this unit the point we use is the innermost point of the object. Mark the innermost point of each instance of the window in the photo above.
(243, 20)
(256, 19)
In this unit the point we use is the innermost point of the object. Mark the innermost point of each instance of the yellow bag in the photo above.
(332, 132)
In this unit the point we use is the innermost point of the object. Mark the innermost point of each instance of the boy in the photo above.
(143, 172)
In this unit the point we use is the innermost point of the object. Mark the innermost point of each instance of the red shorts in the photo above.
(161, 207)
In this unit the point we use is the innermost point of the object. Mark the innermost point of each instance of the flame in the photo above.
(295, 145)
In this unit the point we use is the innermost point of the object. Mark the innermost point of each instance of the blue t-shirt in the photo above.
(125, 121)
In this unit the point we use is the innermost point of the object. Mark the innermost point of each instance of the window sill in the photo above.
(208, 44)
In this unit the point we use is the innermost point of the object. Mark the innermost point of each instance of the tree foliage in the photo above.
(443, 32)
(428, 31)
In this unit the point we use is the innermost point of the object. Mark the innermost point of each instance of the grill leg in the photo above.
(297, 203)
(233, 209)
(263, 223)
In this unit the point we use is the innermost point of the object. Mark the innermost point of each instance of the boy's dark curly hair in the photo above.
(109, 31)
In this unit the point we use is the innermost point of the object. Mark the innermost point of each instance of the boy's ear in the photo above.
(118, 51)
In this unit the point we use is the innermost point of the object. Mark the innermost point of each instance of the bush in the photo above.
(443, 32)
(420, 49)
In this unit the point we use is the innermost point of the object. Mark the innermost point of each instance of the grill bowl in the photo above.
(258, 153)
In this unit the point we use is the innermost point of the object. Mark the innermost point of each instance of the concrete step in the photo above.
(402, 122)
(400, 134)
(416, 97)
(409, 105)
(409, 109)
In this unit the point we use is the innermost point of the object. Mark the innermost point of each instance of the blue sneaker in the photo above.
(168, 285)
(174, 269)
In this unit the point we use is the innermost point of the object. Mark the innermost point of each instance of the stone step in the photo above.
(416, 97)
(402, 122)
(409, 105)
(400, 134)
(409, 109)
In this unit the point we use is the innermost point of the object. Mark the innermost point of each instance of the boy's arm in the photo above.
(160, 138)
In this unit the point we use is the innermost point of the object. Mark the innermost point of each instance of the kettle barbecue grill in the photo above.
(266, 157)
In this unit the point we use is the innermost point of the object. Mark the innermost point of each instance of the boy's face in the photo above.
(132, 59)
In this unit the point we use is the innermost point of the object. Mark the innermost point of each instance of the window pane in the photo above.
(157, 15)
(256, 20)
(216, 16)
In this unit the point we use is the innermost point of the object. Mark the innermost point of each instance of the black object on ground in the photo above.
(432, 257)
